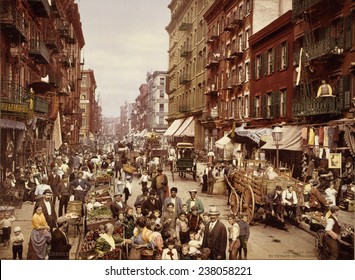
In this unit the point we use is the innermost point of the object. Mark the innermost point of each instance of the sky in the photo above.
(124, 39)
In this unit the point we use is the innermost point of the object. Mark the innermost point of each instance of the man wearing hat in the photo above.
(194, 201)
(118, 205)
(48, 208)
(290, 202)
(80, 187)
(60, 246)
(175, 200)
(151, 204)
(316, 200)
(64, 194)
(215, 237)
(54, 180)
(160, 185)
(142, 197)
(332, 230)
(41, 188)
(273, 203)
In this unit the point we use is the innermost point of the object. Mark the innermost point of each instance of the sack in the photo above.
(71, 198)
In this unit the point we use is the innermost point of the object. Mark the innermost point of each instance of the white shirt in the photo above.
(288, 195)
(212, 224)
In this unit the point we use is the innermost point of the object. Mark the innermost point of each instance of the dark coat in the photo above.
(115, 208)
(54, 181)
(216, 240)
(60, 246)
(50, 219)
(80, 195)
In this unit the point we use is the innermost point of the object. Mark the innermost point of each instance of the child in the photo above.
(138, 212)
(331, 193)
(194, 246)
(17, 243)
(156, 213)
(6, 228)
(182, 229)
(234, 242)
(205, 217)
(144, 179)
(185, 252)
(201, 232)
(170, 253)
(120, 226)
(129, 222)
(243, 235)
(184, 209)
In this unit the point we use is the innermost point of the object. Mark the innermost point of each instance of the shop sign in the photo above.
(214, 113)
(334, 160)
(14, 107)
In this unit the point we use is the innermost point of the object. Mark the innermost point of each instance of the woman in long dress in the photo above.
(40, 236)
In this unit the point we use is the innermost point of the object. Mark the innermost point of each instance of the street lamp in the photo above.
(277, 136)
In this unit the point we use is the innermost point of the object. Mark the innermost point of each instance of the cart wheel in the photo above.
(321, 248)
(234, 202)
(247, 204)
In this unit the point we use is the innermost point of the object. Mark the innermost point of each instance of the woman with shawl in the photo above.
(40, 236)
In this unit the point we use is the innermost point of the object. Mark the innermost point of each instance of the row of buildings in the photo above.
(47, 98)
(239, 67)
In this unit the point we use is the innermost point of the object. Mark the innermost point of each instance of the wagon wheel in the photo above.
(247, 204)
(234, 202)
(321, 248)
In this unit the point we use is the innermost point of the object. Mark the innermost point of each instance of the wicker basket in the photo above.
(129, 168)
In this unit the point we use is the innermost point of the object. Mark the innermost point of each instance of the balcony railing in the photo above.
(13, 23)
(236, 50)
(212, 36)
(185, 78)
(326, 47)
(62, 27)
(298, 7)
(213, 59)
(41, 8)
(14, 92)
(39, 52)
(57, 9)
(53, 43)
(185, 51)
(318, 106)
(211, 89)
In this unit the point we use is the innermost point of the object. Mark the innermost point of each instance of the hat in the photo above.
(278, 188)
(80, 172)
(47, 191)
(334, 208)
(61, 220)
(118, 194)
(17, 229)
(289, 186)
(193, 191)
(314, 182)
(128, 177)
(213, 211)
(65, 175)
(152, 192)
(173, 189)
(145, 189)
(160, 169)
(193, 208)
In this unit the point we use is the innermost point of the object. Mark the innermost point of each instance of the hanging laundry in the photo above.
(326, 137)
(321, 135)
(311, 136)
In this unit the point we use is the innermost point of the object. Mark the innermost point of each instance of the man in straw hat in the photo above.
(215, 237)
(60, 246)
(194, 201)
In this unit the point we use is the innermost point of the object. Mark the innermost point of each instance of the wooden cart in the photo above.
(186, 162)
(248, 192)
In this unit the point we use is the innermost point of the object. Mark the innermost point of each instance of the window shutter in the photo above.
(346, 89)
(276, 103)
(284, 96)
(278, 57)
(286, 54)
(253, 107)
(273, 60)
(265, 62)
(264, 106)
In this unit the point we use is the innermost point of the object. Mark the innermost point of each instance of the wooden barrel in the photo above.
(75, 207)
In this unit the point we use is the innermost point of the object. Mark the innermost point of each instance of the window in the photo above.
(246, 106)
(283, 56)
(239, 107)
(162, 81)
(269, 108)
(241, 12)
(255, 107)
(247, 71)
(270, 61)
(247, 6)
(233, 108)
(161, 120)
(161, 107)
(247, 35)
(282, 99)
(240, 75)
(161, 95)
(258, 67)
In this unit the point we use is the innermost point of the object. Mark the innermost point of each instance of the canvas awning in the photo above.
(224, 142)
(291, 139)
(4, 123)
(189, 131)
(252, 134)
(173, 127)
(186, 123)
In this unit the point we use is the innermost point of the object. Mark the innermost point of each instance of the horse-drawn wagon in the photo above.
(185, 162)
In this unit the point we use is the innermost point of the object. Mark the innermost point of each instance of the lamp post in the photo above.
(277, 136)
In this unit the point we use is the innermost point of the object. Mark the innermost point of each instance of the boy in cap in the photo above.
(17, 243)
(243, 235)
(6, 223)
(194, 201)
